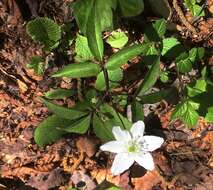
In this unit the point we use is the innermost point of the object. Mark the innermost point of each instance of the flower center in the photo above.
(132, 148)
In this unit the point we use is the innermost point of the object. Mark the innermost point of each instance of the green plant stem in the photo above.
(106, 76)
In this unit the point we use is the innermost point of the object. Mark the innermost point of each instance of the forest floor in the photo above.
(184, 161)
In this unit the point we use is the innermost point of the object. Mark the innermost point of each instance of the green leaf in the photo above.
(183, 63)
(186, 112)
(80, 126)
(79, 70)
(82, 50)
(197, 88)
(168, 44)
(204, 99)
(155, 31)
(155, 97)
(125, 54)
(164, 77)
(115, 76)
(131, 8)
(105, 14)
(137, 111)
(161, 8)
(114, 188)
(82, 10)
(45, 31)
(47, 132)
(209, 115)
(117, 39)
(105, 119)
(150, 78)
(197, 11)
(102, 129)
(196, 54)
(194, 8)
(60, 111)
(93, 32)
(59, 93)
(37, 64)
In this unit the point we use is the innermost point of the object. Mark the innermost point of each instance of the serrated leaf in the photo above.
(204, 99)
(117, 39)
(150, 78)
(209, 115)
(115, 76)
(63, 112)
(45, 31)
(125, 54)
(37, 64)
(197, 88)
(196, 54)
(46, 131)
(82, 49)
(194, 8)
(168, 44)
(186, 112)
(164, 77)
(79, 70)
(183, 63)
(59, 93)
(131, 8)
(93, 32)
(80, 126)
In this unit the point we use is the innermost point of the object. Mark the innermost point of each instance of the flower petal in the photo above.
(145, 160)
(121, 163)
(121, 135)
(113, 146)
(137, 129)
(153, 142)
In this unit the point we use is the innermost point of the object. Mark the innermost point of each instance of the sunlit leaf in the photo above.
(117, 39)
(82, 50)
(79, 70)
(168, 44)
(93, 32)
(125, 54)
(187, 113)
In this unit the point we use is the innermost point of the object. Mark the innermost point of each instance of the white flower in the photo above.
(132, 146)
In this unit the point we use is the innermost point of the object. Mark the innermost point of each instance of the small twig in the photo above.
(182, 17)
(79, 90)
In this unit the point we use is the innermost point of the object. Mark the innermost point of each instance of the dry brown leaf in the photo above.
(146, 182)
